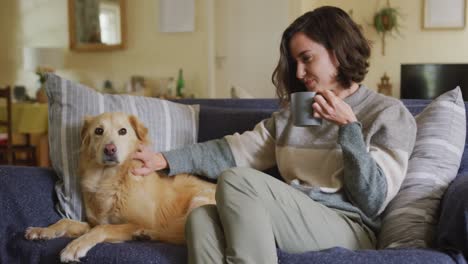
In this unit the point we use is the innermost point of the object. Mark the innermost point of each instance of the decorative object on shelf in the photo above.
(170, 87)
(386, 22)
(108, 87)
(42, 60)
(180, 84)
(448, 14)
(385, 87)
(19, 93)
(137, 83)
(41, 95)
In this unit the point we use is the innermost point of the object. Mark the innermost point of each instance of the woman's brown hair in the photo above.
(337, 32)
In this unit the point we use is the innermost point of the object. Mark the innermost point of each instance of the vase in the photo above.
(41, 95)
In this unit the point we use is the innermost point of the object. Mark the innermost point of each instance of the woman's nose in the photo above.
(300, 72)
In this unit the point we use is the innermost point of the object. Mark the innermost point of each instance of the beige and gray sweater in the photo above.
(357, 167)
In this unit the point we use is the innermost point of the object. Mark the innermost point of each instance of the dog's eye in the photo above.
(98, 131)
(122, 131)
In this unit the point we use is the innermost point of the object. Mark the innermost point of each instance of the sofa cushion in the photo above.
(26, 195)
(411, 217)
(452, 229)
(171, 125)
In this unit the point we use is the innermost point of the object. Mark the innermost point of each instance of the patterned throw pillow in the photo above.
(170, 125)
(411, 217)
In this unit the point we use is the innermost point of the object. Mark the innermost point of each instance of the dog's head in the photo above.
(110, 138)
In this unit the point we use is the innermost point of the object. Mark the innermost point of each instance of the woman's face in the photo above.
(316, 66)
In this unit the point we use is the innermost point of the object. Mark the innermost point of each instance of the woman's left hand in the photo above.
(332, 108)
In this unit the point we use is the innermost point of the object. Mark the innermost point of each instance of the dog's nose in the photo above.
(110, 149)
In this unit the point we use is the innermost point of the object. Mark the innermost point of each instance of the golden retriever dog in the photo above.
(121, 206)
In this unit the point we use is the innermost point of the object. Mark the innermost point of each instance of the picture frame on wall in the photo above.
(176, 16)
(447, 14)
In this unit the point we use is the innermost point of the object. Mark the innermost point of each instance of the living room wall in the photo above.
(8, 28)
(149, 53)
(158, 55)
(415, 45)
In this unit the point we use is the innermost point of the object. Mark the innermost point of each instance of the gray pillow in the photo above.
(170, 126)
(411, 217)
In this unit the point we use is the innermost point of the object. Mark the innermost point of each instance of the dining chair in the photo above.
(10, 153)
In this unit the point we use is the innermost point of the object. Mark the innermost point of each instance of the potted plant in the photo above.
(386, 21)
(41, 72)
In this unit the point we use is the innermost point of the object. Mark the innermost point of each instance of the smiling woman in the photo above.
(97, 25)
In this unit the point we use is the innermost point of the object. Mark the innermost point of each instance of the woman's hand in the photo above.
(332, 108)
(151, 161)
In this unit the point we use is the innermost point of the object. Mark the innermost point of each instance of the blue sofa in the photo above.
(27, 199)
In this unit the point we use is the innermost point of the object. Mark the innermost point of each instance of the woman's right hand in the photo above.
(151, 161)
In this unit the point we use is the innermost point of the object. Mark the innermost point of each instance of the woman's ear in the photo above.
(334, 59)
(140, 130)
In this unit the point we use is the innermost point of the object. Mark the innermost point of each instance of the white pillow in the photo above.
(170, 125)
(411, 217)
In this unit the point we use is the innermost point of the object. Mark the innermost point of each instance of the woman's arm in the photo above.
(208, 159)
(373, 174)
(364, 181)
(250, 149)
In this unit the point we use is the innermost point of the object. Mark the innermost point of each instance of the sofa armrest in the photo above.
(452, 230)
(26, 197)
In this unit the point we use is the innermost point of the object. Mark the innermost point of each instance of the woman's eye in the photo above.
(122, 131)
(98, 131)
(306, 59)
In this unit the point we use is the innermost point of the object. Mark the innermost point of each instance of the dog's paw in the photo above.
(143, 234)
(75, 250)
(36, 233)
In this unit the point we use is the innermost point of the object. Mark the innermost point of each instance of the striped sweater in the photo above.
(358, 167)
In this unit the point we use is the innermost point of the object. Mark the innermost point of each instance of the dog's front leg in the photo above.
(63, 227)
(101, 233)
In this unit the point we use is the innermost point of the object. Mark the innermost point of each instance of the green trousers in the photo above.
(255, 213)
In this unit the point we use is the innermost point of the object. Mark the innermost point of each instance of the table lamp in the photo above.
(42, 60)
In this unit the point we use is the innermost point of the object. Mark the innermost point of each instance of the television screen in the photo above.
(427, 81)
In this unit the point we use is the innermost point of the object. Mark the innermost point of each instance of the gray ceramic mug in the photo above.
(302, 111)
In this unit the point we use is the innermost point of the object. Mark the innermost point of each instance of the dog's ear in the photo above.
(140, 129)
(84, 129)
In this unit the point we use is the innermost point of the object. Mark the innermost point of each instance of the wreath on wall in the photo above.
(386, 22)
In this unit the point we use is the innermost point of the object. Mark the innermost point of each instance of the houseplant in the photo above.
(41, 96)
(386, 21)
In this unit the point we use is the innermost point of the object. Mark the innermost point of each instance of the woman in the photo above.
(338, 176)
